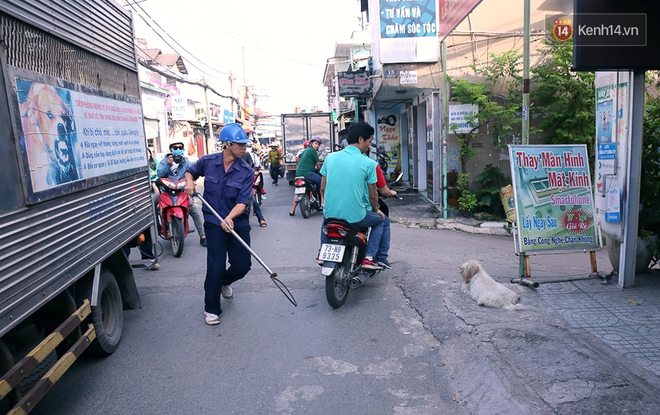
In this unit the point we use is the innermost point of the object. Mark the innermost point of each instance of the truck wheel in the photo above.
(177, 236)
(305, 206)
(107, 316)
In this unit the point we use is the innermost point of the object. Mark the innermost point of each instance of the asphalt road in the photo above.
(371, 356)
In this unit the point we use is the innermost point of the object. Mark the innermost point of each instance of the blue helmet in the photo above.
(234, 133)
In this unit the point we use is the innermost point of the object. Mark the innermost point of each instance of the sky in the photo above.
(279, 47)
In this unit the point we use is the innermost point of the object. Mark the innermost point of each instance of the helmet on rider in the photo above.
(233, 133)
(305, 143)
(176, 144)
(176, 147)
(315, 138)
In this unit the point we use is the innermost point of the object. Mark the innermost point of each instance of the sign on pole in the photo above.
(553, 198)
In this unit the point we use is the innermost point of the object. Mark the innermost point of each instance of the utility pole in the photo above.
(525, 103)
(210, 142)
(524, 260)
(231, 89)
(245, 88)
(445, 127)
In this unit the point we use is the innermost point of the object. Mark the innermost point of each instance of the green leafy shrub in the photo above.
(490, 181)
(467, 201)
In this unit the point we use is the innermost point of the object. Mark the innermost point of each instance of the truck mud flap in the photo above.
(25, 367)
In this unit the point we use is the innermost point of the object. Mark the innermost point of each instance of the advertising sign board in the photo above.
(79, 140)
(408, 31)
(354, 84)
(553, 198)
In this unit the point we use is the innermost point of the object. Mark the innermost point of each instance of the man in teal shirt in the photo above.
(349, 186)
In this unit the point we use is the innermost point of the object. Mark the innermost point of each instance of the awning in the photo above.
(150, 132)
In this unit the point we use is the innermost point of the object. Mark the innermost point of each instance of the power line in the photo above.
(167, 43)
(233, 29)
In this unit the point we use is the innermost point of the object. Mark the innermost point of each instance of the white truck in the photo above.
(76, 187)
(300, 127)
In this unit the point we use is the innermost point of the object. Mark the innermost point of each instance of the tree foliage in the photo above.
(649, 216)
(565, 99)
(498, 99)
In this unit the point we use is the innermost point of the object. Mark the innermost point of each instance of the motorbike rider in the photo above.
(292, 212)
(384, 243)
(174, 166)
(348, 186)
(228, 182)
(307, 167)
(275, 160)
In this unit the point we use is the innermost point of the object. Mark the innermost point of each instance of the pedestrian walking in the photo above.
(228, 181)
(275, 160)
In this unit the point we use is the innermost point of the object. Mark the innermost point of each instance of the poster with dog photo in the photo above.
(553, 197)
(69, 136)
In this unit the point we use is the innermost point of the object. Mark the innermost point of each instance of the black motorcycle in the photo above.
(309, 197)
(342, 257)
(383, 161)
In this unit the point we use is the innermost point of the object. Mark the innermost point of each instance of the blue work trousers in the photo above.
(220, 246)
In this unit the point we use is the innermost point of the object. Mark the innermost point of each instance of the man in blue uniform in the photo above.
(227, 188)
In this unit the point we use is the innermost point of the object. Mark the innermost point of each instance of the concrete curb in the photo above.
(485, 228)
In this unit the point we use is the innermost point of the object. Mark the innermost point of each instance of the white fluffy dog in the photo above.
(485, 290)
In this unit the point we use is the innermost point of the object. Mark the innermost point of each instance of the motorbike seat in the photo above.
(307, 181)
(345, 223)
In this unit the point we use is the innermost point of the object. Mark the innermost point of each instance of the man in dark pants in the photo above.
(227, 188)
(275, 160)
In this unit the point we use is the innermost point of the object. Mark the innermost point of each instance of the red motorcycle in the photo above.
(173, 205)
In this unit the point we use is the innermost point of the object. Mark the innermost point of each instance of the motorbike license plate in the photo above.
(299, 191)
(332, 253)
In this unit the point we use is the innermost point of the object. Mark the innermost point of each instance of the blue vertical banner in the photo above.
(408, 31)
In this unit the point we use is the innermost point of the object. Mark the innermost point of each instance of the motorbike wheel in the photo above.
(336, 285)
(305, 206)
(177, 236)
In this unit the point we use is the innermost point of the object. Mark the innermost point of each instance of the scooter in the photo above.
(383, 161)
(173, 205)
(309, 197)
(342, 257)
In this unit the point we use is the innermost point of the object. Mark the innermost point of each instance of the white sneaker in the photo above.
(227, 293)
(211, 319)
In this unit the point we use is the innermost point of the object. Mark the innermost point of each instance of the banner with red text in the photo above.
(389, 142)
(553, 197)
(68, 136)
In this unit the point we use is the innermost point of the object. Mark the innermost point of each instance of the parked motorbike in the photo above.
(383, 161)
(173, 205)
(309, 197)
(263, 159)
(342, 257)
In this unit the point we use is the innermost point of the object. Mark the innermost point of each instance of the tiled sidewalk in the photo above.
(627, 320)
